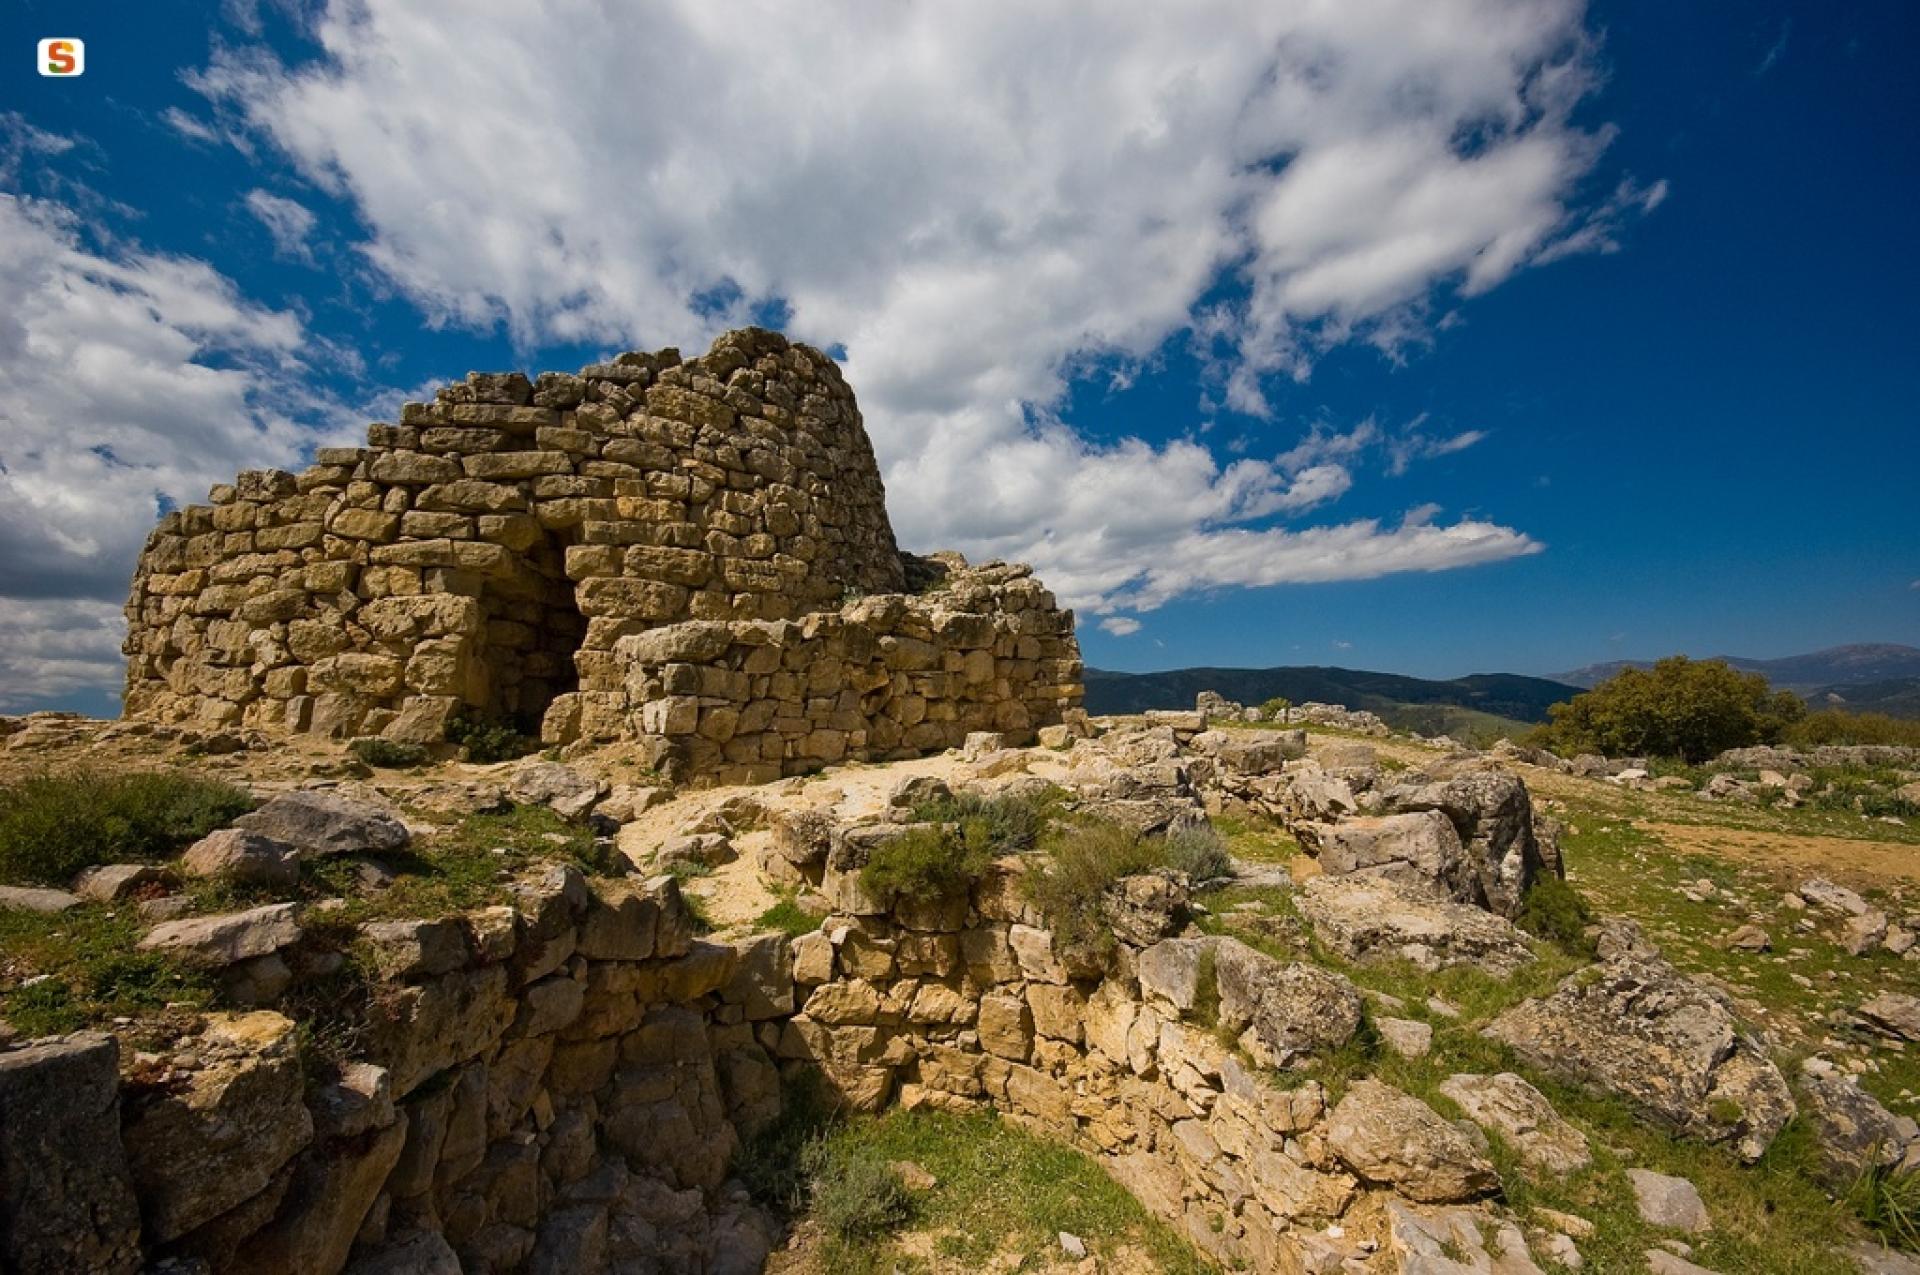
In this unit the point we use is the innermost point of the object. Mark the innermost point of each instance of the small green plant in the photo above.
(1890, 1206)
(1276, 709)
(788, 917)
(928, 862)
(1071, 889)
(387, 753)
(51, 826)
(1555, 911)
(1007, 824)
(488, 739)
(1200, 852)
(856, 1195)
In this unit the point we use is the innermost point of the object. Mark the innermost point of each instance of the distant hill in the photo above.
(1842, 669)
(1481, 706)
(1896, 697)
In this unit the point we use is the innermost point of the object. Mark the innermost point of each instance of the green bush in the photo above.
(1692, 709)
(855, 1196)
(488, 739)
(1007, 823)
(1276, 708)
(1837, 726)
(388, 753)
(1071, 889)
(1555, 911)
(928, 862)
(1200, 852)
(51, 826)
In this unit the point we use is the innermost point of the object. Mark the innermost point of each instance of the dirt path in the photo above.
(1837, 857)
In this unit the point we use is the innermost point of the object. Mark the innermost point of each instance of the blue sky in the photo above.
(1437, 337)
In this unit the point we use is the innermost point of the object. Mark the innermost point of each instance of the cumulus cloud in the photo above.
(973, 202)
(288, 222)
(130, 381)
(1120, 625)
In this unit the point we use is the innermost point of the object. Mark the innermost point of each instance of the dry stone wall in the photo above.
(984, 649)
(491, 550)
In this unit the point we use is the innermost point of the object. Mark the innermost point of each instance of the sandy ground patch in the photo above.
(1839, 858)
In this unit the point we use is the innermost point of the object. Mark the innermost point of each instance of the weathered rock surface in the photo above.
(568, 792)
(27, 898)
(216, 942)
(1894, 1014)
(1455, 1241)
(112, 882)
(1493, 815)
(1391, 1138)
(1507, 1105)
(1364, 917)
(198, 1151)
(67, 1205)
(321, 823)
(1853, 1132)
(244, 857)
(1663, 1200)
(1668, 1045)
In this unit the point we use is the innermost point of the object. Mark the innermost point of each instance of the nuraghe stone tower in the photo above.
(692, 554)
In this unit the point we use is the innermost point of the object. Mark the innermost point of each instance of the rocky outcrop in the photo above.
(1368, 918)
(1387, 1136)
(1666, 1044)
(1492, 815)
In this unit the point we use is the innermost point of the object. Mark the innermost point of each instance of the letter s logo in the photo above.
(63, 58)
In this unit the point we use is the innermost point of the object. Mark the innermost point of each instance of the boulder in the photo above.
(1365, 918)
(323, 823)
(1663, 1200)
(1453, 1241)
(34, 899)
(569, 793)
(1894, 1014)
(1259, 752)
(1393, 1139)
(415, 1253)
(113, 882)
(216, 942)
(1668, 1045)
(697, 851)
(1823, 895)
(1407, 1037)
(1420, 850)
(1282, 1013)
(1852, 1132)
(67, 1205)
(328, 1198)
(201, 1148)
(416, 949)
(244, 857)
(1507, 1105)
(1493, 816)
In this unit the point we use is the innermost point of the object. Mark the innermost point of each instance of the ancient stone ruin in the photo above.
(695, 554)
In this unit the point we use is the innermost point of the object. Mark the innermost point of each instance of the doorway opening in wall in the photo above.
(533, 630)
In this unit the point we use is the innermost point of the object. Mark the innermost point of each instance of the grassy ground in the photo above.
(1001, 1199)
(1690, 872)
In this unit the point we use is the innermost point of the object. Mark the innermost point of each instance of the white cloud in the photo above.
(975, 200)
(288, 221)
(128, 380)
(54, 647)
(1341, 644)
(1121, 625)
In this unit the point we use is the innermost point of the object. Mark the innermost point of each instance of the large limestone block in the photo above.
(1365, 918)
(1392, 1138)
(1507, 1105)
(200, 1149)
(67, 1205)
(320, 823)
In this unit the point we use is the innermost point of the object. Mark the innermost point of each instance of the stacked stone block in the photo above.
(884, 677)
(490, 550)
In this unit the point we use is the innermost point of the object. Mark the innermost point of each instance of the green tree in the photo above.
(1685, 708)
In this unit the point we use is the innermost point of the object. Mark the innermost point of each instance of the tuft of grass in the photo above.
(855, 1194)
(1071, 889)
(788, 917)
(1200, 852)
(1555, 911)
(53, 825)
(928, 862)
(1890, 1207)
(388, 753)
(84, 969)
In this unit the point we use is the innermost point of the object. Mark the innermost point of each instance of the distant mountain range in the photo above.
(1477, 707)
(1879, 678)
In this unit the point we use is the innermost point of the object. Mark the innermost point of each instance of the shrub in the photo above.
(1693, 709)
(855, 1196)
(1555, 911)
(1836, 726)
(928, 862)
(788, 917)
(488, 739)
(1007, 823)
(1276, 709)
(387, 752)
(1200, 852)
(1071, 890)
(51, 826)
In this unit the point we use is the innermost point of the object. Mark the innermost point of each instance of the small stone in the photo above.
(1750, 938)
(115, 881)
(913, 1176)
(1405, 1036)
(1072, 1245)
(33, 899)
(1668, 1201)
